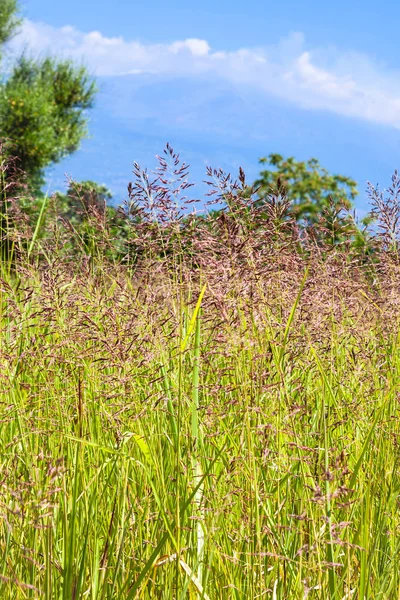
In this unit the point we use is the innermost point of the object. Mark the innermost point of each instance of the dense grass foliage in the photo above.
(209, 411)
(162, 439)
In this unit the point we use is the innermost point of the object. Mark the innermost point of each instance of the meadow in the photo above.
(214, 418)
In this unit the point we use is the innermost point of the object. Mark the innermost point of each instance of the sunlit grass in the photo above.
(151, 448)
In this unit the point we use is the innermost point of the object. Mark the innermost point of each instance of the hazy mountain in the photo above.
(214, 123)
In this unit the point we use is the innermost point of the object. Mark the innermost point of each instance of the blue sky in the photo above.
(364, 25)
(229, 82)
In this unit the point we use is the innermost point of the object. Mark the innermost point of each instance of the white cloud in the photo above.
(349, 84)
(195, 47)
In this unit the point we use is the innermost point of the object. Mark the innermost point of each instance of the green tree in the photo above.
(9, 20)
(96, 224)
(310, 187)
(82, 200)
(43, 107)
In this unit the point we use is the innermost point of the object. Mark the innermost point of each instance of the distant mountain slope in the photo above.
(213, 123)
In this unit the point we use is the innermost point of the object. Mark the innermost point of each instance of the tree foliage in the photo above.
(42, 114)
(84, 199)
(9, 20)
(86, 209)
(310, 187)
(42, 107)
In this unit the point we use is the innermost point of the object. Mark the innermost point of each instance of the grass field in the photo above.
(214, 437)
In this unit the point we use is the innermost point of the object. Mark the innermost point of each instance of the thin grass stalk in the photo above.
(38, 226)
(197, 444)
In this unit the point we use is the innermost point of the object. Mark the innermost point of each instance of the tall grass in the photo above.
(219, 426)
(276, 475)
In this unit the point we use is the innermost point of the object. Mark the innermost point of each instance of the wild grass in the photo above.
(229, 430)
